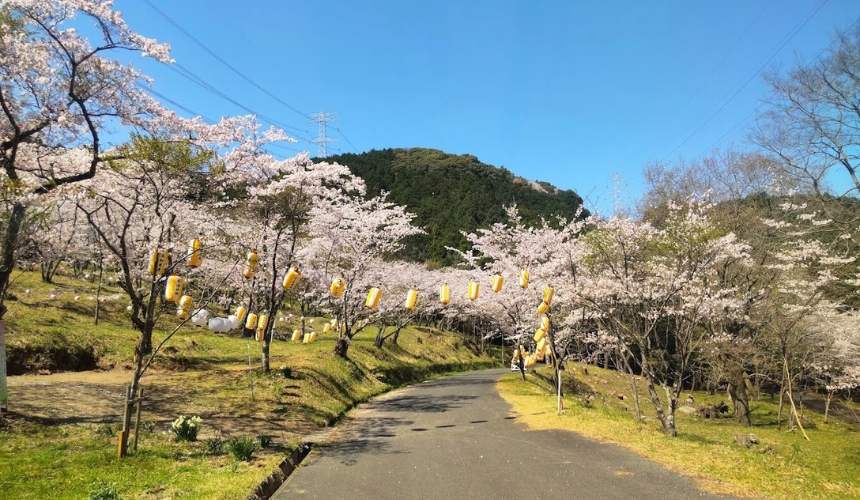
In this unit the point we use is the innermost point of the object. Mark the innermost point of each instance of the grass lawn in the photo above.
(783, 465)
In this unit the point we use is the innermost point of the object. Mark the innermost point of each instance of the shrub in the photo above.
(265, 441)
(185, 429)
(104, 491)
(286, 371)
(242, 447)
(215, 445)
(105, 430)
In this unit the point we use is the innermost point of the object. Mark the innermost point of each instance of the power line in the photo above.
(171, 101)
(747, 82)
(747, 117)
(347, 140)
(218, 58)
(188, 74)
(720, 63)
(210, 120)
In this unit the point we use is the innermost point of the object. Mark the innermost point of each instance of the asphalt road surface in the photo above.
(456, 438)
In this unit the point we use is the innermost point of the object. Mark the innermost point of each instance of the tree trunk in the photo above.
(7, 252)
(631, 378)
(781, 406)
(668, 420)
(341, 346)
(738, 394)
(827, 405)
(99, 290)
(48, 268)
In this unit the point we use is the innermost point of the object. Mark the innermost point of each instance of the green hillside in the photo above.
(449, 193)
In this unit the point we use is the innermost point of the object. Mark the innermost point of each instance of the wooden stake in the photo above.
(139, 401)
(250, 375)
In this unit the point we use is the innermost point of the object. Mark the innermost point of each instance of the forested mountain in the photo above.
(449, 193)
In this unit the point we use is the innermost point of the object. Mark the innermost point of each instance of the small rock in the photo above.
(746, 440)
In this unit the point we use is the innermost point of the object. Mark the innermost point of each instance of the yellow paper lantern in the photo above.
(445, 294)
(548, 292)
(240, 312)
(250, 265)
(544, 323)
(516, 356)
(262, 321)
(337, 287)
(251, 322)
(158, 262)
(173, 288)
(195, 256)
(372, 298)
(541, 345)
(539, 334)
(474, 289)
(291, 278)
(307, 339)
(543, 308)
(411, 299)
(497, 282)
(259, 335)
(326, 328)
(524, 279)
(297, 335)
(184, 307)
(312, 337)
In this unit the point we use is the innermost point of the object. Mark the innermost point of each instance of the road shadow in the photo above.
(434, 404)
(367, 436)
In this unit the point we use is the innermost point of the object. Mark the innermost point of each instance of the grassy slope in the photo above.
(782, 466)
(63, 439)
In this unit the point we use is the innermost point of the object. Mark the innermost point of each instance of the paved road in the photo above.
(455, 438)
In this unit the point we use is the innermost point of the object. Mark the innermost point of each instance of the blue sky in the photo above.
(570, 92)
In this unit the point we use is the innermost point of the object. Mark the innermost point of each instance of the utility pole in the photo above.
(322, 140)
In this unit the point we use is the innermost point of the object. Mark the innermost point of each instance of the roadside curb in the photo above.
(270, 485)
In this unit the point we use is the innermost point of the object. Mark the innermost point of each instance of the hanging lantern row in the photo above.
(543, 352)
(159, 259)
(338, 286)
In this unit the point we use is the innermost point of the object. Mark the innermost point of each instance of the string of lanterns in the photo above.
(174, 288)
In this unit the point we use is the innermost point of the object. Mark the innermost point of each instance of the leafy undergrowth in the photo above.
(781, 466)
(60, 438)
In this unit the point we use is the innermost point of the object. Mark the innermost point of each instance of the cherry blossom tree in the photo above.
(653, 288)
(806, 267)
(58, 91)
(548, 254)
(353, 237)
(276, 208)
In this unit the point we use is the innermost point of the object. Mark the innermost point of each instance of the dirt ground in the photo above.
(96, 397)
